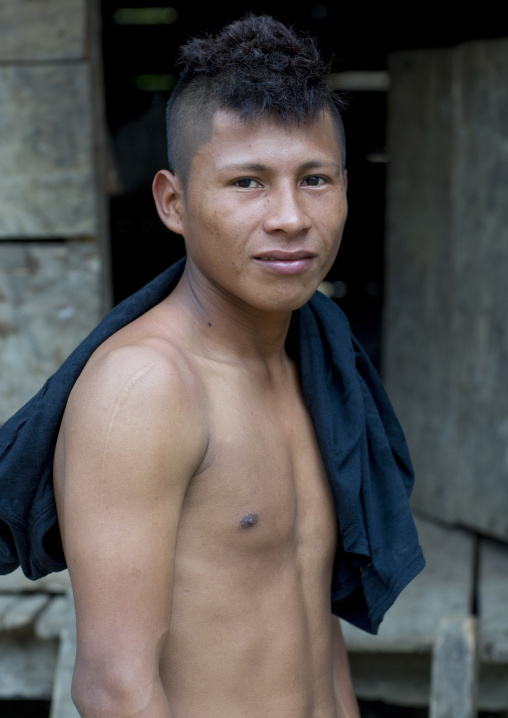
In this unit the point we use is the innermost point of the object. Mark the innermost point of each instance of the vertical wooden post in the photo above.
(454, 677)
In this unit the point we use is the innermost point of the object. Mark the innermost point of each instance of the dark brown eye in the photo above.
(313, 181)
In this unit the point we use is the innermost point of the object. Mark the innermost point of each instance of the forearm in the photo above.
(345, 699)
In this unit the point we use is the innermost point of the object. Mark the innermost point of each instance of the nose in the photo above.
(285, 212)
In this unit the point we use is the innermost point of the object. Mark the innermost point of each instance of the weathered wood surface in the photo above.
(446, 336)
(42, 30)
(397, 678)
(49, 301)
(443, 588)
(17, 582)
(493, 603)
(493, 689)
(27, 665)
(61, 704)
(454, 679)
(54, 617)
(46, 148)
(23, 610)
(6, 603)
(404, 679)
(419, 266)
(32, 627)
(395, 666)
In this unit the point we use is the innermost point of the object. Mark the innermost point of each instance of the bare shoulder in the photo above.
(156, 369)
(138, 400)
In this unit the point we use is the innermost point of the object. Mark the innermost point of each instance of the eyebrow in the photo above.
(258, 167)
(316, 164)
(245, 167)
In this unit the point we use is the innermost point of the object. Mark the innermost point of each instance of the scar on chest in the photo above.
(249, 520)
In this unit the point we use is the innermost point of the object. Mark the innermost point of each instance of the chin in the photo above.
(290, 302)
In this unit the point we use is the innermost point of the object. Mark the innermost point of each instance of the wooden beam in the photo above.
(454, 678)
(443, 588)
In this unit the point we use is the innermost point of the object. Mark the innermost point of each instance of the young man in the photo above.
(197, 499)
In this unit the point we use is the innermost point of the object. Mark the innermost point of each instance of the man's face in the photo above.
(264, 210)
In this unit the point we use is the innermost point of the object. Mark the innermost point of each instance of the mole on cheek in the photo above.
(249, 520)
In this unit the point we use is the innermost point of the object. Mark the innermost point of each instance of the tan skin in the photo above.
(197, 520)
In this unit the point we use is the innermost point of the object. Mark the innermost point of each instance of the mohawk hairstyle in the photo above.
(255, 66)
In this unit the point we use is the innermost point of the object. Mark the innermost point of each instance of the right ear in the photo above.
(168, 195)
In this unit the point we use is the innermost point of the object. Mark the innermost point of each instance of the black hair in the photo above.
(253, 67)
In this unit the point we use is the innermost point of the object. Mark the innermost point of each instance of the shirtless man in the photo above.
(196, 516)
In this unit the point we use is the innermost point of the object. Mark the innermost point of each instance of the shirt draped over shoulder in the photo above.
(363, 448)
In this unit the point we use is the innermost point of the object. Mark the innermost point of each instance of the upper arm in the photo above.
(130, 443)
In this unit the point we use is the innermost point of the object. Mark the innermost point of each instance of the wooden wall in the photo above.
(446, 320)
(53, 287)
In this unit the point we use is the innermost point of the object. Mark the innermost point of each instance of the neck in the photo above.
(225, 326)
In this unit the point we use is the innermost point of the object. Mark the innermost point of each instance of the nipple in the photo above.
(249, 520)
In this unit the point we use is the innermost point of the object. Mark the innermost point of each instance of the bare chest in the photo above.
(263, 488)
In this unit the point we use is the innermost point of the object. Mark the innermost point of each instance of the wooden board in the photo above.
(27, 666)
(55, 616)
(395, 666)
(443, 588)
(418, 313)
(17, 582)
(493, 602)
(446, 335)
(6, 603)
(62, 705)
(49, 301)
(454, 680)
(23, 610)
(47, 183)
(42, 30)
(397, 678)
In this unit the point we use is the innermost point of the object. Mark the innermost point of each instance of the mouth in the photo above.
(282, 261)
(283, 255)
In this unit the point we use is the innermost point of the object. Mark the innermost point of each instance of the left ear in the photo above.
(168, 195)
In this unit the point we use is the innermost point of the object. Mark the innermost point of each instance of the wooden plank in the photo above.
(391, 667)
(419, 264)
(49, 301)
(446, 337)
(54, 617)
(396, 678)
(61, 704)
(23, 610)
(493, 602)
(27, 666)
(454, 680)
(404, 679)
(17, 582)
(42, 30)
(47, 184)
(443, 588)
(480, 330)
(6, 602)
(493, 691)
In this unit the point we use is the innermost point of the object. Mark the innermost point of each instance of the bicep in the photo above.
(127, 461)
